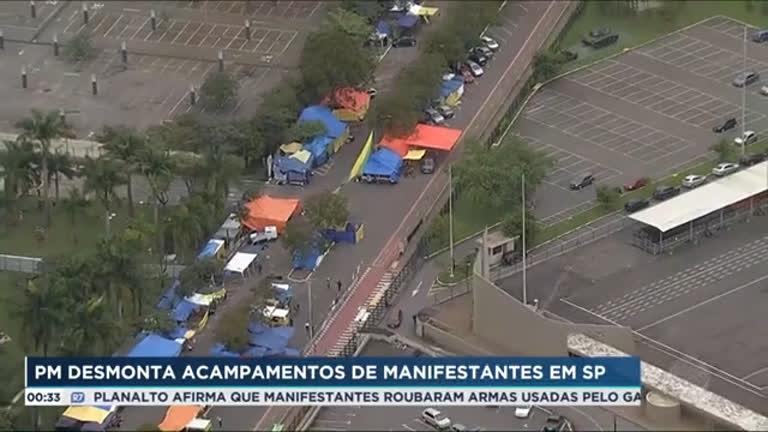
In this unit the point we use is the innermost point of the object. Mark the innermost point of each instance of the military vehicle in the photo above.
(600, 38)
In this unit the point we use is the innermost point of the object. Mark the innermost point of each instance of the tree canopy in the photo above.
(219, 90)
(327, 210)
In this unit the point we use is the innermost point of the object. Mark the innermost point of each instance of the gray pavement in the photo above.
(669, 301)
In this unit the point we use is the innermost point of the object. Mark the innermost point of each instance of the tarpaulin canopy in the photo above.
(291, 148)
(229, 228)
(383, 28)
(255, 352)
(407, 21)
(308, 259)
(178, 417)
(384, 162)
(415, 155)
(240, 262)
(318, 147)
(169, 299)
(350, 104)
(334, 127)
(267, 211)
(211, 248)
(275, 338)
(256, 327)
(154, 345)
(200, 299)
(450, 86)
(219, 350)
(422, 10)
(183, 310)
(291, 164)
(177, 333)
(303, 156)
(89, 414)
(425, 136)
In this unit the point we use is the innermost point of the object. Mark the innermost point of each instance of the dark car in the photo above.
(726, 125)
(395, 319)
(664, 192)
(760, 36)
(557, 423)
(569, 55)
(446, 111)
(634, 205)
(479, 59)
(427, 165)
(752, 159)
(483, 51)
(582, 182)
(405, 41)
(635, 184)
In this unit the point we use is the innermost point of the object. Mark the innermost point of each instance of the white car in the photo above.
(748, 138)
(490, 43)
(372, 92)
(724, 169)
(435, 418)
(693, 180)
(475, 68)
(764, 90)
(523, 412)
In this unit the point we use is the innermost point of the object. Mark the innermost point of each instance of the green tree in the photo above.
(42, 128)
(91, 328)
(219, 91)
(118, 272)
(158, 322)
(726, 151)
(157, 166)
(298, 235)
(185, 133)
(332, 59)
(607, 196)
(233, 331)
(327, 210)
(40, 312)
(350, 23)
(512, 225)
(124, 144)
(18, 161)
(369, 9)
(185, 228)
(245, 140)
(546, 65)
(80, 48)
(492, 178)
(304, 130)
(199, 274)
(102, 176)
(60, 164)
(75, 206)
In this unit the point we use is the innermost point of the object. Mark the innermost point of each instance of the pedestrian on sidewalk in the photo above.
(219, 421)
(338, 285)
(306, 326)
(328, 283)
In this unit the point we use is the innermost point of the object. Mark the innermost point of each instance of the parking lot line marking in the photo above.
(96, 29)
(193, 34)
(167, 29)
(408, 427)
(287, 8)
(757, 372)
(181, 31)
(133, 36)
(288, 44)
(261, 40)
(703, 303)
(106, 34)
(206, 36)
(314, 9)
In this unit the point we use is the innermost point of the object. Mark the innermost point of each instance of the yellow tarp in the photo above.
(340, 141)
(291, 148)
(86, 414)
(302, 155)
(415, 154)
(428, 11)
(349, 115)
(361, 158)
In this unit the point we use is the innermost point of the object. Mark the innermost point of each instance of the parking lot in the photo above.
(648, 112)
(693, 312)
(267, 8)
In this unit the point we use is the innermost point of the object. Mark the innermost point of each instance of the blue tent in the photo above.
(383, 27)
(307, 260)
(257, 327)
(219, 350)
(183, 310)
(450, 86)
(273, 339)
(407, 21)
(211, 248)
(318, 146)
(155, 346)
(334, 127)
(169, 299)
(255, 352)
(177, 333)
(385, 163)
(292, 165)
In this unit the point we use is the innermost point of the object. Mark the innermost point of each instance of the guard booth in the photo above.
(501, 249)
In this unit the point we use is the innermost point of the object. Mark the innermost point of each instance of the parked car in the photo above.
(582, 182)
(490, 43)
(395, 319)
(635, 184)
(467, 74)
(569, 55)
(523, 412)
(405, 41)
(475, 68)
(665, 192)
(479, 59)
(745, 78)
(458, 427)
(724, 169)
(760, 36)
(726, 125)
(427, 165)
(435, 418)
(764, 90)
(751, 159)
(372, 92)
(557, 424)
(431, 115)
(693, 180)
(446, 111)
(634, 205)
(747, 138)
(482, 51)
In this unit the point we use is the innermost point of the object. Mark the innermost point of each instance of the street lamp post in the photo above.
(525, 276)
(744, 95)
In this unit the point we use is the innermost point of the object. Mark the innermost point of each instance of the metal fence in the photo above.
(21, 264)
(450, 292)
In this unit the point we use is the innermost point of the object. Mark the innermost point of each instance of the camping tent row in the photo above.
(181, 308)
(387, 161)
(263, 341)
(406, 19)
(101, 418)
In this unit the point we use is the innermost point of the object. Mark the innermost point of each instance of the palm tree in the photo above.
(157, 167)
(74, 205)
(60, 163)
(123, 143)
(18, 162)
(185, 228)
(118, 270)
(41, 314)
(43, 128)
(102, 176)
(89, 322)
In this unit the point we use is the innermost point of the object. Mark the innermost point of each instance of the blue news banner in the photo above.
(324, 381)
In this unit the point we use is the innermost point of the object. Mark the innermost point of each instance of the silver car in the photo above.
(693, 180)
(725, 168)
(745, 78)
(748, 138)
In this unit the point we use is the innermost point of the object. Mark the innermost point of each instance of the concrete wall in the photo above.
(455, 344)
(503, 320)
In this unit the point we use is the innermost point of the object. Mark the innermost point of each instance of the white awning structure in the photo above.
(274, 312)
(713, 405)
(200, 299)
(240, 262)
(705, 199)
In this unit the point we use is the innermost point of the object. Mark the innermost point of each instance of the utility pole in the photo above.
(450, 214)
(525, 275)
(309, 319)
(744, 96)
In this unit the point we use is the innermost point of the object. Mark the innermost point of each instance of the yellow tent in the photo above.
(361, 158)
(87, 414)
(291, 148)
(302, 156)
(415, 154)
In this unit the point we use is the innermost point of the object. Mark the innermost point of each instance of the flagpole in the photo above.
(525, 279)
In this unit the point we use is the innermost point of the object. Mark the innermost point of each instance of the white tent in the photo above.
(240, 262)
(200, 299)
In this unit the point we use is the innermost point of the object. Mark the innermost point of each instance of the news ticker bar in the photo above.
(563, 396)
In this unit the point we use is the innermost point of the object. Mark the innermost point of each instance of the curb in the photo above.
(450, 284)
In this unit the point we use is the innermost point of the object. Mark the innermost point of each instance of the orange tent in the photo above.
(425, 136)
(350, 104)
(178, 417)
(268, 211)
